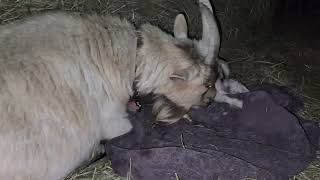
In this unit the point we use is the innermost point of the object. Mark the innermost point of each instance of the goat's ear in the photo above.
(183, 75)
(180, 28)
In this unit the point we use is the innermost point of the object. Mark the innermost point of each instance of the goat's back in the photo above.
(56, 70)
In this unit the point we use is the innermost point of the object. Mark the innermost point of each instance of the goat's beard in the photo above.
(166, 111)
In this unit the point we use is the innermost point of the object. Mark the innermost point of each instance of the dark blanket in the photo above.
(264, 140)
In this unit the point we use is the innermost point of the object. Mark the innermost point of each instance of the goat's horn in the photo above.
(210, 43)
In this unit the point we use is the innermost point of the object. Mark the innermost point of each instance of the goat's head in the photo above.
(181, 72)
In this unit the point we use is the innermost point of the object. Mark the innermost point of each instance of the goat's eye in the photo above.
(209, 85)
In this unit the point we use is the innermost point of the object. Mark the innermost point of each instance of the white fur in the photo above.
(65, 82)
(229, 86)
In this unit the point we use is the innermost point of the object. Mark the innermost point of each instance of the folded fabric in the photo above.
(264, 140)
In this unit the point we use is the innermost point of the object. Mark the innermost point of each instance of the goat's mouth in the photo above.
(134, 106)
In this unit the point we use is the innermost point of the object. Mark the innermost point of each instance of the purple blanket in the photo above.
(264, 140)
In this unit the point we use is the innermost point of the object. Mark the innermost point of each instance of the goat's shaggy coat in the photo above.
(64, 83)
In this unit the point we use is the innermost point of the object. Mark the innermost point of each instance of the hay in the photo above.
(100, 170)
(256, 60)
(237, 16)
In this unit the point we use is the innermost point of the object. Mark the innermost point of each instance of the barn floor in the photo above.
(289, 56)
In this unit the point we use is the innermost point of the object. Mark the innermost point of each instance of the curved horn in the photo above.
(206, 3)
(210, 43)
